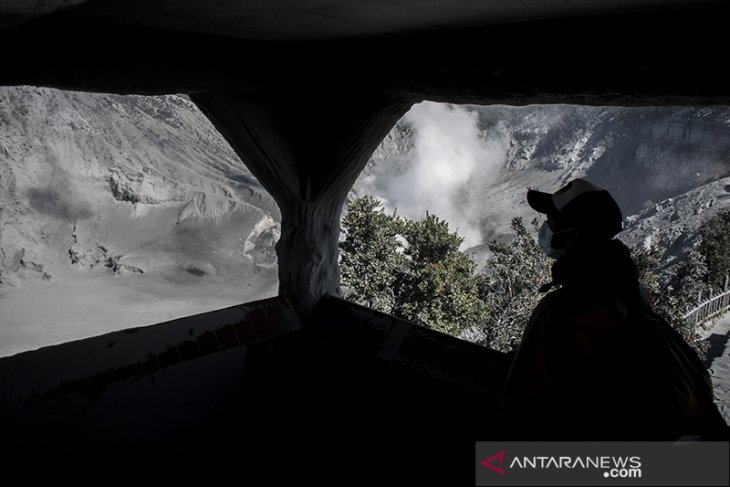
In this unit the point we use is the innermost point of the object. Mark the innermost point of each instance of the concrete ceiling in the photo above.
(297, 20)
(598, 52)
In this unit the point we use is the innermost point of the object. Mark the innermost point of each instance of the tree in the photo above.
(647, 262)
(411, 269)
(437, 286)
(673, 299)
(706, 266)
(510, 287)
(370, 256)
(414, 270)
(715, 248)
(687, 287)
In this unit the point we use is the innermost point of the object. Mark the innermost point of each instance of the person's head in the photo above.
(579, 212)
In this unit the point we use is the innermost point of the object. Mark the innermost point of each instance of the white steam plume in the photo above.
(448, 166)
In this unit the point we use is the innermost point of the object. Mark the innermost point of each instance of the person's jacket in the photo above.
(593, 365)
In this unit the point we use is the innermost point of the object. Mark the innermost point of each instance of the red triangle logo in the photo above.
(488, 463)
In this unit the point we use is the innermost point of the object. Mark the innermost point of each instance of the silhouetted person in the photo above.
(595, 361)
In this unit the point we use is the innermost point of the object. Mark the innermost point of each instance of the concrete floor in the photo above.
(719, 336)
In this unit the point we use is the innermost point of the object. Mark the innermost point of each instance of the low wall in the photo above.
(95, 362)
(248, 392)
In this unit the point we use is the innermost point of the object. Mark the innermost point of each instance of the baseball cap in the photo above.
(580, 205)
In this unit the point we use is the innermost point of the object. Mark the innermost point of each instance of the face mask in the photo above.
(545, 238)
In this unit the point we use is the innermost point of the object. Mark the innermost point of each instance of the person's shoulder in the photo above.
(566, 303)
(556, 297)
(555, 303)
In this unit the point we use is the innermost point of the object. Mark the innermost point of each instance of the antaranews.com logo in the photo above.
(610, 466)
(602, 463)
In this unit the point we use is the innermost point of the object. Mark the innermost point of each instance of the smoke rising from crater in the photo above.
(449, 163)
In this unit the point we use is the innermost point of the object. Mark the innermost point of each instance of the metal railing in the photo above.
(715, 304)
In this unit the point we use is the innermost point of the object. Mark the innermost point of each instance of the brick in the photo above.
(126, 372)
(277, 320)
(101, 379)
(227, 337)
(245, 332)
(261, 325)
(189, 350)
(169, 357)
(148, 365)
(208, 343)
(75, 386)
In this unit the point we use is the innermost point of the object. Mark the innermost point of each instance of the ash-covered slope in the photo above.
(672, 225)
(129, 209)
(642, 155)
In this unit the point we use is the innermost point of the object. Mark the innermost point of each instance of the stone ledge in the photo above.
(356, 330)
(93, 363)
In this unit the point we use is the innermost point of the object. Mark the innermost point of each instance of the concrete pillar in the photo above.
(306, 149)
